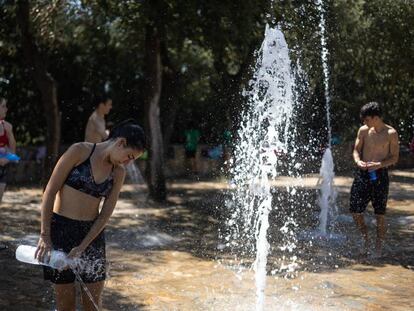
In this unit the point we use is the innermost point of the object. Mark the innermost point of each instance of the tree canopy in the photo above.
(207, 50)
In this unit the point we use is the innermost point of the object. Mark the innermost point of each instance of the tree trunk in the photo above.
(170, 114)
(155, 169)
(229, 89)
(46, 85)
(171, 88)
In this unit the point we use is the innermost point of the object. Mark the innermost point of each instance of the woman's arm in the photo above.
(106, 212)
(12, 141)
(68, 160)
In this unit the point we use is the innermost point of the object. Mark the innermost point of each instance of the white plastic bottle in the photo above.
(26, 253)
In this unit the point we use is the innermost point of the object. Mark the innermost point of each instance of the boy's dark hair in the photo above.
(371, 109)
(131, 131)
(101, 99)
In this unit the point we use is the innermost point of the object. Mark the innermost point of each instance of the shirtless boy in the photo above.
(376, 148)
(95, 128)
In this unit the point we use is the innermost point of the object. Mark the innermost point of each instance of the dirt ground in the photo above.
(168, 257)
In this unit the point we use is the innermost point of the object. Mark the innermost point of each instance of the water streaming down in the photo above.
(136, 180)
(80, 266)
(85, 289)
(135, 174)
(263, 138)
(327, 195)
(324, 58)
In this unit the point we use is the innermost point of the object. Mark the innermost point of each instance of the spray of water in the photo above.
(325, 68)
(134, 174)
(327, 194)
(137, 182)
(263, 144)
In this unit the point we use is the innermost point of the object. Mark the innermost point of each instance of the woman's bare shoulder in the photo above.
(8, 126)
(79, 151)
(81, 147)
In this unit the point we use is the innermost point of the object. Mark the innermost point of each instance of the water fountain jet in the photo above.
(264, 136)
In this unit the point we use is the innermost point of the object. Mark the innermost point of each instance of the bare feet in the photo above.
(364, 249)
(378, 249)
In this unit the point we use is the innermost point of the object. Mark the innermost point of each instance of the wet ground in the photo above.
(169, 257)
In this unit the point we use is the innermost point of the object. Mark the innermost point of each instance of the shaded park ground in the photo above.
(168, 257)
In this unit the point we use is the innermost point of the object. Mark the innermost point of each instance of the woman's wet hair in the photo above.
(131, 131)
(2, 100)
(371, 109)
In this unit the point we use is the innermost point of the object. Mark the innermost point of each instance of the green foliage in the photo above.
(208, 50)
(372, 57)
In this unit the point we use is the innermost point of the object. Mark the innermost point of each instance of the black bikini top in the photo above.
(81, 178)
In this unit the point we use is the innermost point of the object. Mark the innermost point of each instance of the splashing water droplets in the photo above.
(327, 196)
(264, 138)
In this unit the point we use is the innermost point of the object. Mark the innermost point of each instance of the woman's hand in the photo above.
(44, 246)
(76, 252)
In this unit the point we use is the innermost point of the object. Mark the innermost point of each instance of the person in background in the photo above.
(7, 144)
(96, 131)
(412, 147)
(192, 137)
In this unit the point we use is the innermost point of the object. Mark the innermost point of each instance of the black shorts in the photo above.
(364, 190)
(3, 174)
(68, 233)
(190, 154)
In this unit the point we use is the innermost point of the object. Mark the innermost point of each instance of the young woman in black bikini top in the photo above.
(73, 222)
